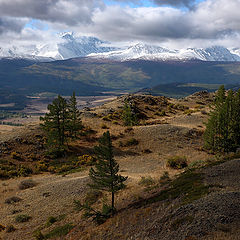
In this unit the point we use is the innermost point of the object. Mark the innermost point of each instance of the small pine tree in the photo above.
(75, 123)
(105, 174)
(55, 123)
(129, 118)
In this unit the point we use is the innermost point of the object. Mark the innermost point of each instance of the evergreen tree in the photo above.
(105, 174)
(55, 124)
(236, 113)
(75, 123)
(128, 116)
(222, 128)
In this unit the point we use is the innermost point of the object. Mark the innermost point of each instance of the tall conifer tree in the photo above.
(105, 174)
(222, 128)
(55, 123)
(75, 123)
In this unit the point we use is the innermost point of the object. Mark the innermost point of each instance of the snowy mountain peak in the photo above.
(67, 36)
(72, 46)
(147, 49)
(150, 52)
(68, 46)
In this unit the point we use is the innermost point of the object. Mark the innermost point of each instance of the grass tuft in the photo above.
(59, 231)
(22, 218)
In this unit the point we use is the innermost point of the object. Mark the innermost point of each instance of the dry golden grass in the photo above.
(180, 135)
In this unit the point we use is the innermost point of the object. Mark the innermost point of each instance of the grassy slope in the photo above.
(145, 213)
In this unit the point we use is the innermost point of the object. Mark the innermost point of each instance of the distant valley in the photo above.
(20, 77)
(91, 67)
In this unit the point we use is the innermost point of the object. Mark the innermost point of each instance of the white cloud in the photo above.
(209, 23)
(69, 12)
(8, 24)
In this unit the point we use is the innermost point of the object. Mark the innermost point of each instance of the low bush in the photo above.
(22, 218)
(197, 164)
(128, 129)
(16, 156)
(190, 111)
(115, 122)
(181, 107)
(147, 151)
(132, 142)
(59, 231)
(38, 235)
(16, 211)
(12, 200)
(161, 113)
(204, 112)
(106, 118)
(10, 229)
(86, 160)
(23, 171)
(42, 166)
(104, 126)
(25, 184)
(177, 162)
(146, 181)
(51, 220)
(64, 168)
(9, 170)
(128, 143)
(2, 228)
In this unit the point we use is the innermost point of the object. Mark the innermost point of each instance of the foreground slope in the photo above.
(198, 204)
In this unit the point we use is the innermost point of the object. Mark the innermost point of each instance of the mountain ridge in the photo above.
(69, 46)
(156, 53)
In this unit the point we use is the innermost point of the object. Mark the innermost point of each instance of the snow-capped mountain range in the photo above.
(148, 52)
(67, 47)
(70, 46)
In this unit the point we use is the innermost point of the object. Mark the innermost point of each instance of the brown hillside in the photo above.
(200, 204)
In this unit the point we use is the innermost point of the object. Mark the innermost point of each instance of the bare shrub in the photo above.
(12, 200)
(25, 184)
(177, 162)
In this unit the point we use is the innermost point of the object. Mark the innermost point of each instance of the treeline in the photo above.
(11, 124)
(223, 127)
(18, 100)
(6, 115)
(61, 123)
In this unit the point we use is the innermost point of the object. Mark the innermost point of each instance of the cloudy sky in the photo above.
(169, 23)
